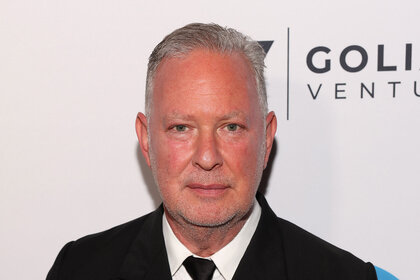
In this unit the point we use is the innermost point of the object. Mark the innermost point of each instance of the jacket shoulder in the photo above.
(310, 257)
(120, 234)
(100, 255)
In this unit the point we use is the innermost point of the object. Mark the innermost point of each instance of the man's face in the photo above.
(207, 143)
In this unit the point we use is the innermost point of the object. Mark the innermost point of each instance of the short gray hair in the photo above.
(212, 37)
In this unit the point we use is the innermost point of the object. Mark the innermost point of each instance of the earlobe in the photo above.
(142, 135)
(270, 132)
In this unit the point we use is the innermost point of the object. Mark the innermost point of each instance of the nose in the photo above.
(207, 155)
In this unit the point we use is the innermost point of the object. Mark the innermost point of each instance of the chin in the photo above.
(213, 216)
(209, 222)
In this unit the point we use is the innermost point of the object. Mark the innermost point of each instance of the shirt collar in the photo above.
(226, 259)
(176, 251)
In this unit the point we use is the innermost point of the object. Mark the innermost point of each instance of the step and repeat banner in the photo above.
(343, 79)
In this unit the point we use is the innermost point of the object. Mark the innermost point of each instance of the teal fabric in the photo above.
(384, 275)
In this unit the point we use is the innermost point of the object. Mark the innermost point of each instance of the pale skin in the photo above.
(207, 142)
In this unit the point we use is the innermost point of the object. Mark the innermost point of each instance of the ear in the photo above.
(142, 135)
(270, 132)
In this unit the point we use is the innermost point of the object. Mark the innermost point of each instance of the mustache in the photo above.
(208, 179)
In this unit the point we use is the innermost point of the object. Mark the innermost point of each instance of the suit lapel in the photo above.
(264, 258)
(147, 258)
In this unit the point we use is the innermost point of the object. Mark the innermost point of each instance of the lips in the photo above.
(208, 189)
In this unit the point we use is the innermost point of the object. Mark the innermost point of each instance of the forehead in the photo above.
(202, 77)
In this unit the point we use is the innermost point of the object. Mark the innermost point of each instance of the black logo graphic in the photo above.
(266, 45)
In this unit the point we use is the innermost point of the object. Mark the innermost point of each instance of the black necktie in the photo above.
(199, 269)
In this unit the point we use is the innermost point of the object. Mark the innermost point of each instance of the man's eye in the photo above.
(180, 128)
(232, 127)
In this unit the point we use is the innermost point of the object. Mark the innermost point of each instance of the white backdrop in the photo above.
(72, 79)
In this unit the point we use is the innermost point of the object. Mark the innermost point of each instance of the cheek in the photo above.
(170, 162)
(179, 154)
(242, 157)
(172, 157)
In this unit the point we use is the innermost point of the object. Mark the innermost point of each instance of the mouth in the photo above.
(210, 190)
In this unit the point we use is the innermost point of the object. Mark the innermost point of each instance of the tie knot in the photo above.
(199, 269)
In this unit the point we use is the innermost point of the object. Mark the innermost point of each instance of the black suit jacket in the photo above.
(136, 251)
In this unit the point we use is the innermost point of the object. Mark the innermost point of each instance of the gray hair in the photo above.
(212, 37)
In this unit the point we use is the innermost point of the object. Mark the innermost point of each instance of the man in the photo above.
(207, 136)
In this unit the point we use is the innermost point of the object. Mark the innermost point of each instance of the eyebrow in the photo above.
(180, 116)
(175, 115)
(233, 115)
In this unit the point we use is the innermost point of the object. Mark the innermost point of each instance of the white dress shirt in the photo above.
(226, 259)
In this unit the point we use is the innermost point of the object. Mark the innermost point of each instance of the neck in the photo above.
(205, 241)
